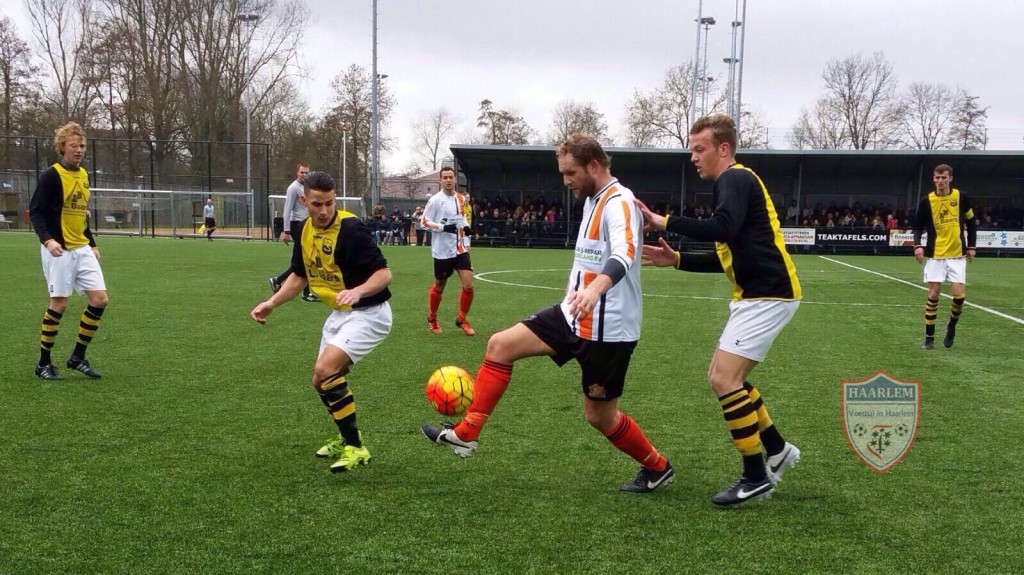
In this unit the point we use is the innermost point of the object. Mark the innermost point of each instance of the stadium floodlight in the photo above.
(249, 19)
(375, 78)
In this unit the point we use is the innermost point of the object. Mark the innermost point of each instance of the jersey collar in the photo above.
(606, 187)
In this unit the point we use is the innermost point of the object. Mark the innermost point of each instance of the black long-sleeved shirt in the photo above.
(945, 218)
(749, 246)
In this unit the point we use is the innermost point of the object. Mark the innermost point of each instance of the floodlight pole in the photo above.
(249, 19)
(344, 160)
(696, 58)
(374, 192)
(739, 81)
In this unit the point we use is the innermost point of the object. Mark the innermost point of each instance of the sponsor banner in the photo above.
(852, 237)
(798, 236)
(904, 238)
(1000, 239)
(880, 417)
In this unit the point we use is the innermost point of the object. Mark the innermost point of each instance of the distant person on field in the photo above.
(59, 214)
(445, 219)
(335, 255)
(945, 214)
(597, 323)
(209, 219)
(421, 232)
(749, 249)
(295, 214)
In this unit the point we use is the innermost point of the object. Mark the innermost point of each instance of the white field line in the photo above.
(921, 287)
(483, 277)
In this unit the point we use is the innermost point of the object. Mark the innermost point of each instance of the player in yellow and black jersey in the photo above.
(59, 211)
(946, 216)
(750, 250)
(335, 255)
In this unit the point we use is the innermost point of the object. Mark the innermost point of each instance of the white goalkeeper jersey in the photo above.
(611, 228)
(442, 210)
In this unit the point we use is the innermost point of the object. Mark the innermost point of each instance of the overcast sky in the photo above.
(532, 54)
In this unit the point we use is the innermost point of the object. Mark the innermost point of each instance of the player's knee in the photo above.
(499, 347)
(98, 299)
(721, 384)
(58, 304)
(323, 370)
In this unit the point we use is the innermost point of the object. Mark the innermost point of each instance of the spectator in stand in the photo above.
(890, 222)
(792, 213)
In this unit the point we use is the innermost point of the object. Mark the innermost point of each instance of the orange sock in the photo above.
(491, 380)
(433, 301)
(465, 300)
(627, 436)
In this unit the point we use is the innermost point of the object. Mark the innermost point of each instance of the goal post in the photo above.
(173, 213)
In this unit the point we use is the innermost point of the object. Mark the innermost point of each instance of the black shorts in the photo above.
(443, 269)
(210, 223)
(603, 363)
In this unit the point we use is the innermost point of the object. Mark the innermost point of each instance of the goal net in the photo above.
(168, 212)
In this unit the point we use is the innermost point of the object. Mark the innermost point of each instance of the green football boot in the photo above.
(351, 457)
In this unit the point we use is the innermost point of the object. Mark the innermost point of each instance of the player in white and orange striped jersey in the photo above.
(597, 323)
(444, 217)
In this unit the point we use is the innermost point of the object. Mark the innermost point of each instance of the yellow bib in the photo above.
(322, 272)
(75, 186)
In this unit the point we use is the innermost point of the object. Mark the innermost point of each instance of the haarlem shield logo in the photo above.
(880, 416)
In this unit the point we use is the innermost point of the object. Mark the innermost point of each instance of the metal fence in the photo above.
(191, 168)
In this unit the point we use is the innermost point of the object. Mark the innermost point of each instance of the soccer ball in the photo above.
(450, 390)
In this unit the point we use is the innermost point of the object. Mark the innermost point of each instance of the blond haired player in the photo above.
(750, 250)
(60, 216)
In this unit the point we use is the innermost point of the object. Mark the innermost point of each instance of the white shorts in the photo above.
(357, 331)
(753, 326)
(952, 270)
(76, 269)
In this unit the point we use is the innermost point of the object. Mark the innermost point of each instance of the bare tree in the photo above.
(661, 116)
(968, 131)
(61, 28)
(863, 92)
(754, 131)
(351, 104)
(17, 80)
(819, 129)
(929, 113)
(641, 113)
(431, 135)
(571, 117)
(504, 127)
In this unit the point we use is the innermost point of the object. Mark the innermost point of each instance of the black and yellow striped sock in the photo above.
(956, 308)
(341, 404)
(931, 309)
(48, 334)
(770, 436)
(87, 326)
(741, 419)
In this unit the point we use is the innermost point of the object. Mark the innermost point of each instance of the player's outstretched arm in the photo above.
(652, 222)
(289, 289)
(661, 255)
